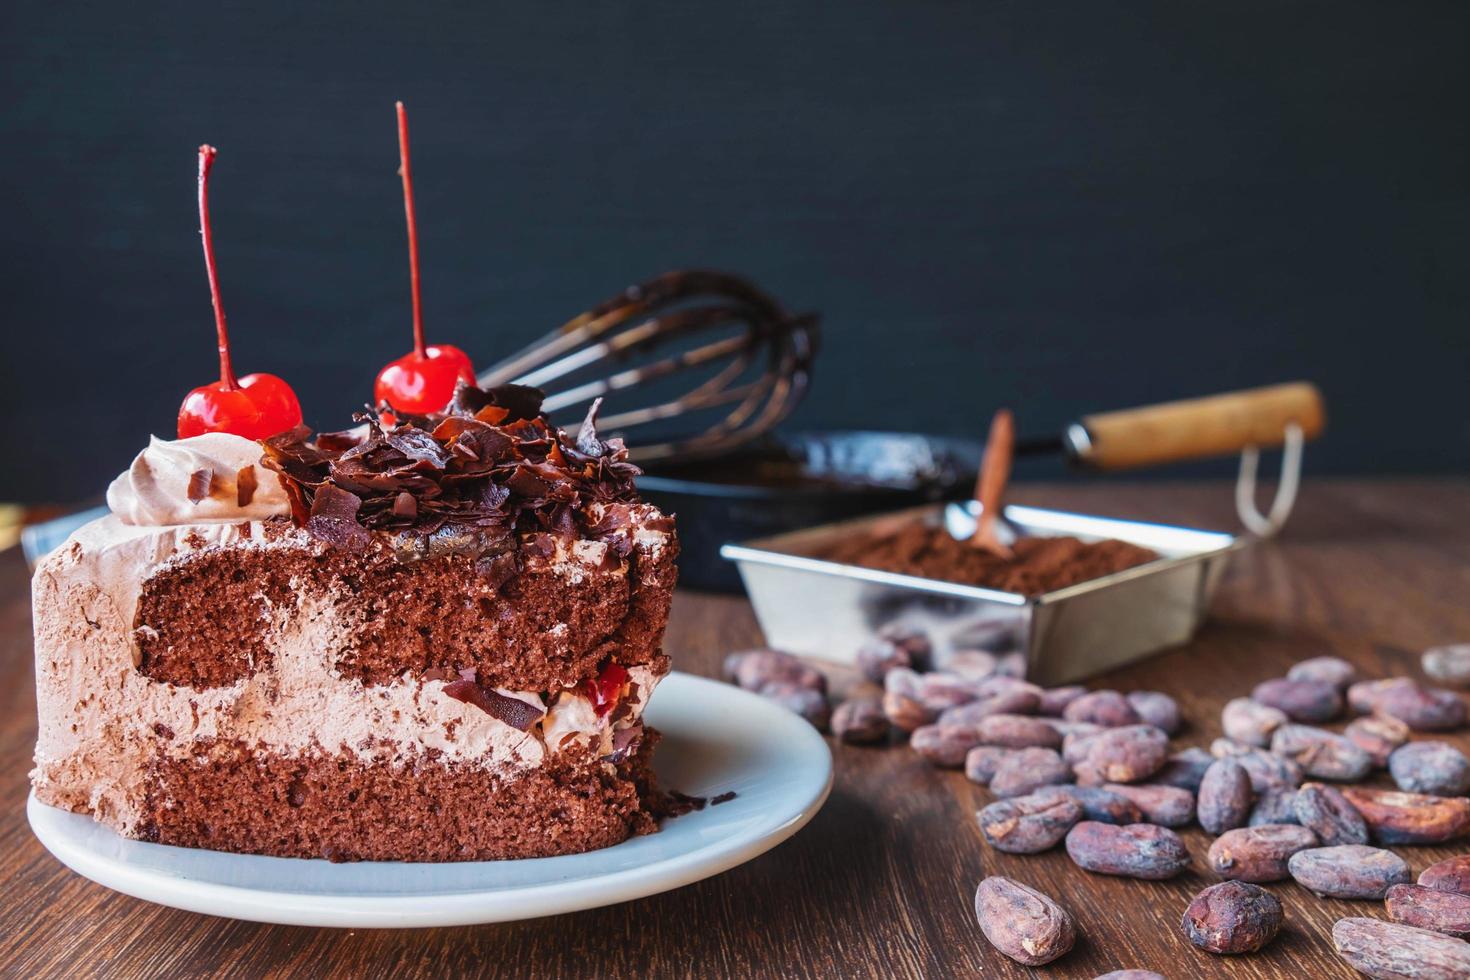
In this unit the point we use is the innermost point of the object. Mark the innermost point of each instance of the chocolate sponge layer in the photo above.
(227, 797)
(207, 620)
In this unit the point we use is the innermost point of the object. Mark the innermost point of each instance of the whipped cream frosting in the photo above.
(154, 492)
(102, 720)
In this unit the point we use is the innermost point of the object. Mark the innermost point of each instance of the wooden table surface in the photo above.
(881, 883)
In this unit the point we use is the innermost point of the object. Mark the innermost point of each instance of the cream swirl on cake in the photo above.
(156, 490)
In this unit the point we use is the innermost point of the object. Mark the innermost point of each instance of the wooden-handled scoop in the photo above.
(1196, 428)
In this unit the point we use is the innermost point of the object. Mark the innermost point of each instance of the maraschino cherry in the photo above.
(423, 380)
(256, 406)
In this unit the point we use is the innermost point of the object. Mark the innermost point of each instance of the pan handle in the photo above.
(1217, 425)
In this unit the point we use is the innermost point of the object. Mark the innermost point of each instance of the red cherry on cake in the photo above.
(419, 383)
(424, 379)
(606, 688)
(256, 406)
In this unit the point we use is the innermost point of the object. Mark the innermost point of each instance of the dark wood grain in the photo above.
(881, 882)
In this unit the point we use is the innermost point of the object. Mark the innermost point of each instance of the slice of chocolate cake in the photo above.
(430, 643)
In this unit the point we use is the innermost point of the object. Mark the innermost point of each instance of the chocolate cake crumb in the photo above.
(1039, 565)
(722, 798)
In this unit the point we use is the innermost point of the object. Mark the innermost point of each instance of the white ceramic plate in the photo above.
(717, 738)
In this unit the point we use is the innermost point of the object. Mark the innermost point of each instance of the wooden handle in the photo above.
(1218, 425)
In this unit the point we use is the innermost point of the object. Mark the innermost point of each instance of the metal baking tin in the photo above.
(827, 610)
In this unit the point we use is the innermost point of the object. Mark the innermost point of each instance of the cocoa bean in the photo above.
(1378, 735)
(1305, 701)
(940, 691)
(1028, 824)
(1429, 908)
(1167, 806)
(1430, 767)
(1250, 722)
(1423, 709)
(1410, 818)
(1232, 917)
(1027, 770)
(1017, 732)
(1157, 709)
(1139, 850)
(1097, 803)
(1129, 975)
(944, 745)
(1269, 771)
(860, 721)
(1222, 747)
(975, 665)
(1449, 875)
(878, 656)
(1276, 806)
(808, 702)
(1106, 708)
(1073, 729)
(1017, 702)
(983, 761)
(1122, 755)
(762, 668)
(1258, 854)
(1321, 754)
(1225, 796)
(902, 680)
(1075, 743)
(904, 712)
(1023, 923)
(1348, 871)
(1011, 664)
(1391, 951)
(1054, 700)
(1327, 813)
(1185, 769)
(1000, 684)
(1448, 664)
(913, 640)
(1329, 670)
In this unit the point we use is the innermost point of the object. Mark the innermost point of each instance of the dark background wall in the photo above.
(1062, 207)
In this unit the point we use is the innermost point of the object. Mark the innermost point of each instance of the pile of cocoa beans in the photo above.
(1094, 771)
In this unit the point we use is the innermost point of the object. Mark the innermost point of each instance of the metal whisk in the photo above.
(758, 368)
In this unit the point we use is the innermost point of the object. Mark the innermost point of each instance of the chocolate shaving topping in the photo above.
(722, 798)
(518, 714)
(489, 467)
(245, 486)
(201, 484)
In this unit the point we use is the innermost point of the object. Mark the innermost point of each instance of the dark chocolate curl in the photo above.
(201, 485)
(514, 712)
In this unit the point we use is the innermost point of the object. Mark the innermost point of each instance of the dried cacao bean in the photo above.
(904, 712)
(761, 668)
(1157, 709)
(1410, 818)
(1277, 806)
(944, 745)
(1185, 769)
(1225, 796)
(1321, 754)
(1250, 722)
(1016, 702)
(1269, 771)
(1122, 755)
(1423, 709)
(1348, 871)
(1391, 951)
(808, 702)
(1106, 708)
(1028, 824)
(1097, 803)
(1021, 922)
(1430, 767)
(1429, 908)
(1139, 850)
(1232, 917)
(1054, 700)
(1304, 701)
(1027, 770)
(1449, 875)
(1449, 664)
(1167, 806)
(1378, 735)
(860, 721)
(1017, 732)
(983, 761)
(1327, 813)
(1329, 670)
(1258, 854)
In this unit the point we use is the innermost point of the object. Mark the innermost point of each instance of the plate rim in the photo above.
(470, 907)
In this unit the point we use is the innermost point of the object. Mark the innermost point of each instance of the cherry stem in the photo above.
(226, 369)
(413, 230)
